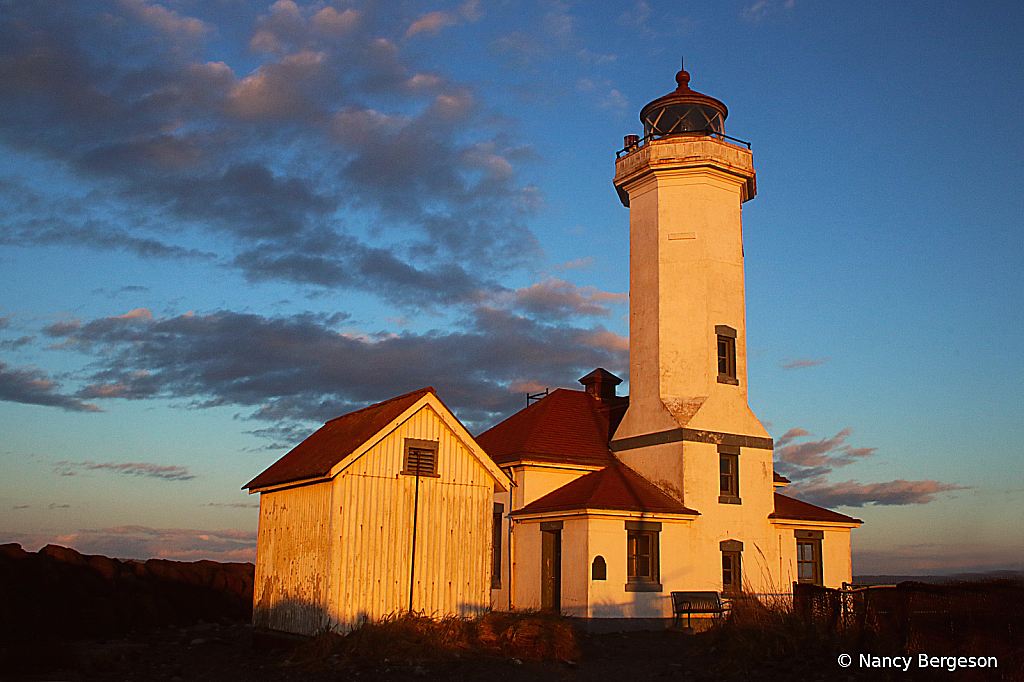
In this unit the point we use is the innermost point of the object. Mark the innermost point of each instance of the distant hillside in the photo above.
(58, 593)
(936, 579)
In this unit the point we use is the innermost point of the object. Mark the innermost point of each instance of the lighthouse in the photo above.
(688, 427)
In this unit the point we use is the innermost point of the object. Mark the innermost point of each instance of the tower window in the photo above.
(726, 354)
(728, 474)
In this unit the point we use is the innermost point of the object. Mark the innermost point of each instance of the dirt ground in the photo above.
(228, 653)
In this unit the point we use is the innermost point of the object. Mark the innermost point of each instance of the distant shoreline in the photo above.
(952, 577)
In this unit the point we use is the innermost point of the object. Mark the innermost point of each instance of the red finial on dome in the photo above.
(682, 78)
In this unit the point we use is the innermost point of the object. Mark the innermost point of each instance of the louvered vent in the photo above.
(420, 458)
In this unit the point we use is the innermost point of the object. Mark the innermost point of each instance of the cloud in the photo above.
(637, 18)
(273, 164)
(15, 344)
(790, 363)
(558, 299)
(301, 367)
(142, 542)
(762, 9)
(128, 289)
(167, 21)
(577, 264)
(809, 464)
(827, 453)
(32, 387)
(172, 472)
(853, 494)
(433, 22)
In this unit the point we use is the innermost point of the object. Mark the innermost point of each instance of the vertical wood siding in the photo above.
(292, 559)
(373, 525)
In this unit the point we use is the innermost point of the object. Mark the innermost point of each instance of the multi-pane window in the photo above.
(499, 511)
(420, 457)
(726, 354)
(640, 556)
(732, 570)
(727, 466)
(808, 557)
(728, 474)
(642, 569)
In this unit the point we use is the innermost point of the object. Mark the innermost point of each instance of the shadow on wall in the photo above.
(302, 617)
(59, 594)
(296, 616)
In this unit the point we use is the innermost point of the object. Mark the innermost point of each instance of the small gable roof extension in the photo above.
(565, 427)
(615, 487)
(335, 440)
(787, 508)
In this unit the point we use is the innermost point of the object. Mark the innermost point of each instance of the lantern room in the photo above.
(683, 112)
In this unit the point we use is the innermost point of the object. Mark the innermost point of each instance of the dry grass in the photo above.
(756, 632)
(413, 639)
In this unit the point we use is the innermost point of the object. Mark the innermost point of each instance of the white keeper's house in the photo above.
(588, 503)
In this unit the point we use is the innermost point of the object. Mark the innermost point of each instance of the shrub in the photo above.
(414, 638)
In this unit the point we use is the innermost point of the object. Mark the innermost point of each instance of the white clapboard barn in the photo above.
(383, 510)
(591, 504)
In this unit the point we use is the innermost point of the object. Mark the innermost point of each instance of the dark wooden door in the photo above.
(551, 571)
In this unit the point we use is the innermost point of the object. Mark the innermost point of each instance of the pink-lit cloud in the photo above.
(432, 22)
(31, 386)
(167, 472)
(557, 298)
(142, 542)
(809, 465)
(797, 363)
(853, 494)
(302, 367)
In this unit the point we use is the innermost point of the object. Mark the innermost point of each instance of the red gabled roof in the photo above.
(789, 508)
(566, 427)
(335, 440)
(779, 478)
(616, 487)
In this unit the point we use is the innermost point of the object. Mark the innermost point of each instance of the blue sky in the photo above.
(222, 223)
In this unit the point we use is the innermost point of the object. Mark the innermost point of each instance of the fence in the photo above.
(978, 618)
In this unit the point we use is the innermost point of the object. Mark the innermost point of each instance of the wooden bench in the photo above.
(696, 602)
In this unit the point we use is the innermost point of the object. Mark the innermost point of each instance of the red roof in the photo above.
(789, 508)
(566, 427)
(335, 440)
(779, 478)
(615, 487)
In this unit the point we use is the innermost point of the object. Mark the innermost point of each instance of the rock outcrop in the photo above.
(60, 594)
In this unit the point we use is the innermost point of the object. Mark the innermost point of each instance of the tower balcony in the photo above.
(713, 151)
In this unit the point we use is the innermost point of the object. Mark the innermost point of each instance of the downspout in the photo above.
(511, 563)
(412, 560)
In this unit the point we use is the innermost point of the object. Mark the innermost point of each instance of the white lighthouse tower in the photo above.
(688, 427)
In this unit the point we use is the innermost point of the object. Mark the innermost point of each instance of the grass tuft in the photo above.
(757, 631)
(413, 639)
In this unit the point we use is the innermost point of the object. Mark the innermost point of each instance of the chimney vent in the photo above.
(601, 384)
